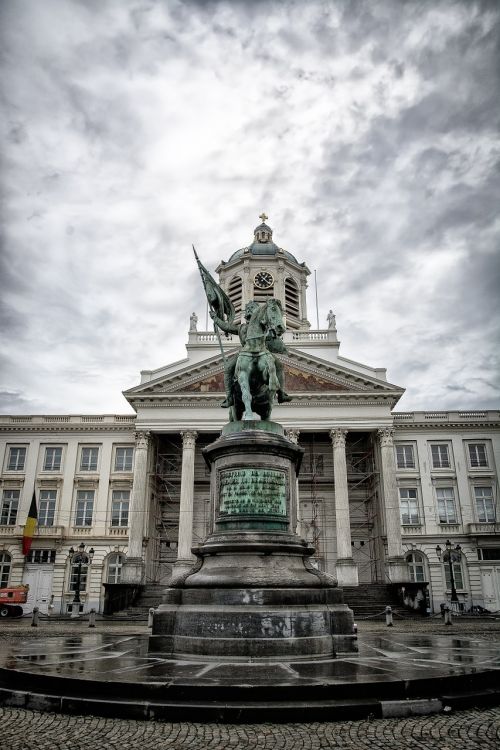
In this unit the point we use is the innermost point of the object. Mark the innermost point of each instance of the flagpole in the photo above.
(216, 329)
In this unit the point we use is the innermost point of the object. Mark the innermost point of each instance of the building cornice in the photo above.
(196, 400)
(76, 423)
(457, 420)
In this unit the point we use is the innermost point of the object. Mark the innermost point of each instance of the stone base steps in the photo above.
(150, 597)
(369, 600)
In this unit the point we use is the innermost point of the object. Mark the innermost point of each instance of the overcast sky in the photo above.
(367, 131)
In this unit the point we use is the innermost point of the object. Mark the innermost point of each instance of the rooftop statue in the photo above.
(254, 376)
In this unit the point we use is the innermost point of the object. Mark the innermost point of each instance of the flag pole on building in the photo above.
(30, 525)
(317, 308)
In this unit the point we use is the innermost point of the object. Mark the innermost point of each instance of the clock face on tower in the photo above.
(263, 280)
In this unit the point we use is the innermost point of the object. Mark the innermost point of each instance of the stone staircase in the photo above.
(369, 600)
(149, 597)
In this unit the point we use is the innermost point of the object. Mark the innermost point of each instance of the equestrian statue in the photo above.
(254, 376)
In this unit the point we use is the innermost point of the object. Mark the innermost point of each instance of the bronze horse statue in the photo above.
(255, 380)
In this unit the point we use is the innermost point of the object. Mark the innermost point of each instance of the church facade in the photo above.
(380, 491)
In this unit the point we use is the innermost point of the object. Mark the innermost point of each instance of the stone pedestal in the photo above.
(253, 592)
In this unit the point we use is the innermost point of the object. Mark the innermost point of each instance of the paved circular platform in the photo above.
(111, 675)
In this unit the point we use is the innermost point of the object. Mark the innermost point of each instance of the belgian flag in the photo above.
(30, 525)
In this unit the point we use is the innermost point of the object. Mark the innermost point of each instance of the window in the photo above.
(84, 507)
(235, 293)
(115, 564)
(41, 556)
(5, 561)
(409, 506)
(10, 506)
(404, 457)
(124, 458)
(477, 455)
(488, 553)
(46, 507)
(440, 456)
(52, 460)
(17, 458)
(74, 577)
(484, 504)
(457, 575)
(88, 459)
(292, 301)
(446, 505)
(416, 566)
(119, 508)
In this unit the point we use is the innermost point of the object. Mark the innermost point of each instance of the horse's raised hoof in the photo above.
(283, 397)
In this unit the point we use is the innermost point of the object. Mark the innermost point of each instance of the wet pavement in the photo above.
(103, 673)
(121, 658)
(426, 647)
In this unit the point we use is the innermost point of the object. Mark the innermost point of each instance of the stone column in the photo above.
(347, 570)
(396, 567)
(295, 513)
(247, 285)
(279, 288)
(185, 558)
(133, 567)
(303, 304)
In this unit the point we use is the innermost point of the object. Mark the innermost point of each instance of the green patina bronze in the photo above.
(252, 492)
(273, 428)
(254, 377)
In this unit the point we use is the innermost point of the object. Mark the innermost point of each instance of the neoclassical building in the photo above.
(379, 489)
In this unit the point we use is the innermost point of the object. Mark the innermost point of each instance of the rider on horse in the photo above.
(273, 345)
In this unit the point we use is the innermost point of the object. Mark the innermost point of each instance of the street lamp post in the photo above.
(450, 555)
(79, 558)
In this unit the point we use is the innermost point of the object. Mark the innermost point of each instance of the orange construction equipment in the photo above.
(11, 599)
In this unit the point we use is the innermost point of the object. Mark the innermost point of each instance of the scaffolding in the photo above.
(165, 483)
(316, 487)
(165, 498)
(317, 484)
(362, 479)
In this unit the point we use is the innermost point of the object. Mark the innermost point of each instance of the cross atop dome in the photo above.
(263, 233)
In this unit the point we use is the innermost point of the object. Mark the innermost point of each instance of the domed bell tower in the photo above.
(263, 270)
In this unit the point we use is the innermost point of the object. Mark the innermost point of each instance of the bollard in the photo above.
(92, 618)
(447, 615)
(150, 617)
(388, 616)
(34, 619)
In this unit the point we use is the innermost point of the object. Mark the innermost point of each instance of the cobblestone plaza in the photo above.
(466, 729)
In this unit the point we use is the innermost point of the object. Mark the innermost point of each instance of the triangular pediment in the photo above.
(304, 374)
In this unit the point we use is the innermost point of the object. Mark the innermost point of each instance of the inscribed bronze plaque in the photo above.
(255, 492)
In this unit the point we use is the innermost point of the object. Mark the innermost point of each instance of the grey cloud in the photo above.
(147, 125)
(15, 402)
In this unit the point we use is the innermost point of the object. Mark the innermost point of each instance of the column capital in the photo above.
(293, 435)
(142, 440)
(338, 436)
(386, 437)
(188, 438)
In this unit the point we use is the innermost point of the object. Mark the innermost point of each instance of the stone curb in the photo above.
(251, 712)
